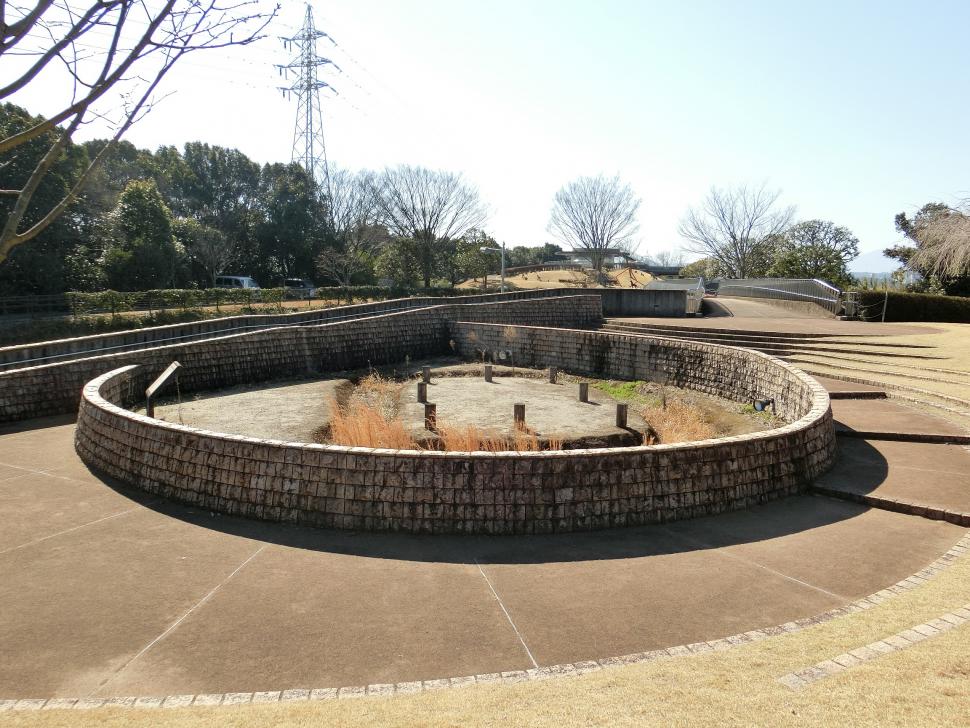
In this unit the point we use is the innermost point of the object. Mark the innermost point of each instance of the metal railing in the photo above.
(807, 290)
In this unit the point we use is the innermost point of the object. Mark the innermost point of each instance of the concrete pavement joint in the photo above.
(172, 627)
(900, 641)
(507, 615)
(723, 552)
(792, 680)
(75, 528)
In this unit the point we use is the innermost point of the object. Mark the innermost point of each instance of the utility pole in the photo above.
(309, 147)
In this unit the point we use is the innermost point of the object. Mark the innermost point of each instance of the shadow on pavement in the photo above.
(764, 522)
(711, 308)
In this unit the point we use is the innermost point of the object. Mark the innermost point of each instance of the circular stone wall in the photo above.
(479, 492)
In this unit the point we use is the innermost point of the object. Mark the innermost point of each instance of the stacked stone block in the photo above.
(502, 493)
(274, 353)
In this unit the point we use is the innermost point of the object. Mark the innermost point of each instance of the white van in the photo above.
(236, 282)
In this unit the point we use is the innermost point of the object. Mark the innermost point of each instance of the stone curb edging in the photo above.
(961, 548)
(910, 508)
(929, 438)
(894, 643)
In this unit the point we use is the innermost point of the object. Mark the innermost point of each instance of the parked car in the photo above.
(299, 288)
(236, 282)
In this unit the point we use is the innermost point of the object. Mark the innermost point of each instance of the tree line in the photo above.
(743, 232)
(177, 218)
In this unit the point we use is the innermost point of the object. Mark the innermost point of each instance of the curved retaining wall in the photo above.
(368, 489)
(615, 302)
(291, 351)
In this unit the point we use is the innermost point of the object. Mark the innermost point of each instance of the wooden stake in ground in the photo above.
(621, 414)
(518, 415)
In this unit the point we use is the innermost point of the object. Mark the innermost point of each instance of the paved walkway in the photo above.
(890, 417)
(745, 315)
(107, 592)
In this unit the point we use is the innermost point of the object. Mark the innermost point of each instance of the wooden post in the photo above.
(621, 412)
(171, 371)
(553, 373)
(430, 416)
(584, 391)
(426, 375)
(422, 392)
(488, 372)
(518, 415)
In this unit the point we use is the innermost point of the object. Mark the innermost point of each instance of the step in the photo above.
(781, 335)
(924, 480)
(900, 392)
(857, 394)
(933, 438)
(779, 349)
(705, 333)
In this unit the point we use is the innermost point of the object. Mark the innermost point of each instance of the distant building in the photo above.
(611, 256)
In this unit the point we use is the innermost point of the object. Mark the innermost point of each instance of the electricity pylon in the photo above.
(309, 147)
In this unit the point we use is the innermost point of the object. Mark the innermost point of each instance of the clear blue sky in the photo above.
(856, 110)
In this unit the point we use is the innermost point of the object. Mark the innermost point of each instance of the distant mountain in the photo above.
(873, 262)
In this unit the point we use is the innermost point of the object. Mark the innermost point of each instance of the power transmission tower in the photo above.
(309, 147)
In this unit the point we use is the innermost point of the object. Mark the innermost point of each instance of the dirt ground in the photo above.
(550, 409)
(298, 410)
(288, 410)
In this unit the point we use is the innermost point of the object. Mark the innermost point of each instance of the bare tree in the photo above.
(356, 231)
(943, 242)
(596, 215)
(115, 54)
(430, 207)
(668, 258)
(208, 246)
(737, 228)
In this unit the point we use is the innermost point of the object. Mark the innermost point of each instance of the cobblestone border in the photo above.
(894, 643)
(571, 669)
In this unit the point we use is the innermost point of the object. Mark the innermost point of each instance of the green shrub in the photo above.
(915, 307)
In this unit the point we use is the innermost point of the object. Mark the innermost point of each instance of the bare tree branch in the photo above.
(736, 228)
(428, 206)
(596, 215)
(357, 231)
(143, 48)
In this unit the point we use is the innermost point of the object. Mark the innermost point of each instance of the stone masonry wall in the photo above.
(274, 353)
(616, 302)
(434, 492)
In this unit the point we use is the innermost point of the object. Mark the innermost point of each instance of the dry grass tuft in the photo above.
(361, 424)
(678, 422)
(473, 439)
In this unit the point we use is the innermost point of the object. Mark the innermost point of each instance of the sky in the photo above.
(854, 110)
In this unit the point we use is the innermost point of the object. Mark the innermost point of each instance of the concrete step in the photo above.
(779, 336)
(838, 389)
(769, 347)
(919, 479)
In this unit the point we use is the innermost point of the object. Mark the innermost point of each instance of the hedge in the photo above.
(188, 299)
(915, 307)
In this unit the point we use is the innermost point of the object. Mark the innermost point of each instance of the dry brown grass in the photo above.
(371, 419)
(360, 424)
(678, 422)
(473, 439)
